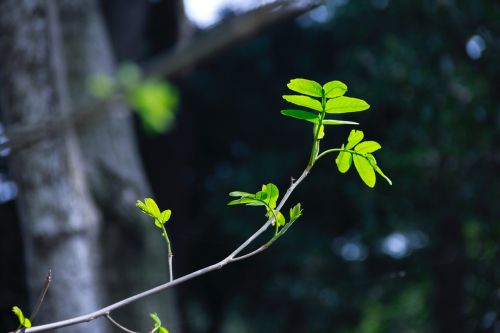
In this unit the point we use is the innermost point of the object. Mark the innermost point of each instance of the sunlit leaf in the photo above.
(240, 194)
(165, 216)
(272, 195)
(303, 115)
(280, 219)
(334, 89)
(295, 212)
(345, 104)
(355, 137)
(379, 171)
(344, 161)
(367, 147)
(365, 170)
(306, 87)
(338, 122)
(23, 321)
(305, 101)
(152, 207)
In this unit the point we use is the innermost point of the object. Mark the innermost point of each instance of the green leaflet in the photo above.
(306, 87)
(359, 152)
(334, 89)
(314, 118)
(344, 161)
(304, 101)
(345, 104)
(150, 208)
(23, 321)
(295, 212)
(338, 122)
(157, 323)
(367, 147)
(303, 115)
(354, 138)
(365, 170)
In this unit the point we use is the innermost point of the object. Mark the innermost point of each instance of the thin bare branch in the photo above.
(39, 301)
(229, 259)
(114, 322)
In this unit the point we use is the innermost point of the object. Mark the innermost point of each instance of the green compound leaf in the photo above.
(23, 321)
(338, 122)
(344, 161)
(334, 89)
(306, 87)
(367, 147)
(295, 212)
(304, 101)
(345, 104)
(365, 170)
(354, 138)
(303, 115)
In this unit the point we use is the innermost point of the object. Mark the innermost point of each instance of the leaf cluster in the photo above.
(150, 208)
(23, 321)
(320, 99)
(360, 152)
(268, 198)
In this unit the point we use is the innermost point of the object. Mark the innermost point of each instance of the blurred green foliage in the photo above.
(154, 100)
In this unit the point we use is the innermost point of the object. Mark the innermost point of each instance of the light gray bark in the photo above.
(115, 174)
(58, 218)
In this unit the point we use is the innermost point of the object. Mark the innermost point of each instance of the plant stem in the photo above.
(169, 253)
(114, 322)
(103, 312)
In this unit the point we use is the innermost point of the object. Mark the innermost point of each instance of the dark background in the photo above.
(420, 256)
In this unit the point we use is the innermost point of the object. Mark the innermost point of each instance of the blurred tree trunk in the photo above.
(58, 218)
(115, 174)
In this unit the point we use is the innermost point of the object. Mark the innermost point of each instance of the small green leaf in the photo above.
(162, 330)
(155, 318)
(367, 147)
(152, 207)
(338, 122)
(242, 201)
(321, 133)
(345, 104)
(280, 219)
(272, 194)
(354, 138)
(344, 161)
(334, 89)
(240, 194)
(295, 212)
(305, 101)
(365, 170)
(23, 321)
(380, 172)
(303, 115)
(306, 87)
(165, 216)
